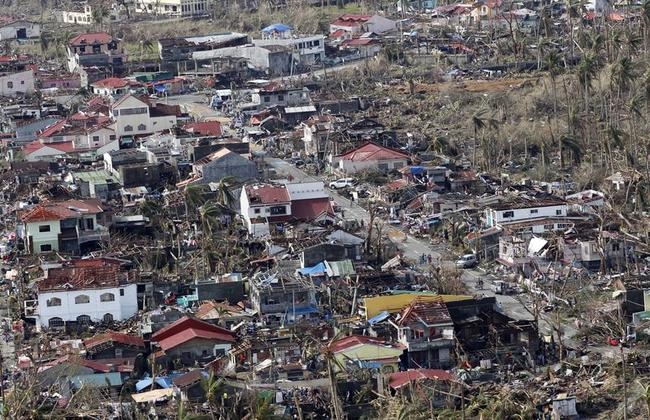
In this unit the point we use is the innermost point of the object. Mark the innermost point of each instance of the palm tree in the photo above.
(213, 388)
(98, 15)
(224, 195)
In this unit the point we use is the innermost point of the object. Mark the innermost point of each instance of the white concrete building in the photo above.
(308, 49)
(262, 204)
(12, 84)
(524, 210)
(173, 7)
(84, 291)
(133, 117)
(83, 15)
(19, 30)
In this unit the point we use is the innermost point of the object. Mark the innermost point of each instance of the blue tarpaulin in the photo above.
(302, 310)
(160, 88)
(162, 381)
(276, 27)
(316, 270)
(382, 316)
(417, 170)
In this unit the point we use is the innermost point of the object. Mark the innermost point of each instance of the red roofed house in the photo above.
(84, 291)
(367, 46)
(262, 205)
(367, 352)
(113, 86)
(94, 49)
(190, 340)
(426, 329)
(358, 24)
(265, 205)
(113, 344)
(204, 128)
(369, 157)
(62, 226)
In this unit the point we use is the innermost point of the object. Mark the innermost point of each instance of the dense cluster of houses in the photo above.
(131, 300)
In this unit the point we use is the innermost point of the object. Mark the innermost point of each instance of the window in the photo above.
(534, 211)
(278, 210)
(81, 299)
(121, 292)
(616, 247)
(96, 139)
(10, 85)
(267, 99)
(108, 318)
(82, 49)
(142, 127)
(83, 319)
(280, 97)
(46, 248)
(106, 297)
(558, 212)
(316, 43)
(382, 167)
(508, 214)
(549, 227)
(56, 322)
(55, 301)
(111, 137)
(44, 228)
(22, 82)
(128, 128)
(257, 211)
(133, 111)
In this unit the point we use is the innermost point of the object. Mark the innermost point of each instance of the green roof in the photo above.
(95, 177)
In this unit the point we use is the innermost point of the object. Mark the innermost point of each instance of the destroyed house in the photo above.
(113, 344)
(94, 49)
(524, 209)
(86, 291)
(282, 298)
(478, 323)
(63, 226)
(426, 329)
(181, 49)
(206, 146)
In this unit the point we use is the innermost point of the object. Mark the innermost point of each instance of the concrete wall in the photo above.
(121, 308)
(13, 84)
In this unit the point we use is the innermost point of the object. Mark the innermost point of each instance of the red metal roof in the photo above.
(337, 33)
(399, 379)
(204, 128)
(355, 18)
(76, 360)
(62, 210)
(79, 278)
(115, 337)
(267, 194)
(111, 82)
(371, 151)
(310, 209)
(357, 340)
(91, 38)
(63, 147)
(428, 312)
(188, 328)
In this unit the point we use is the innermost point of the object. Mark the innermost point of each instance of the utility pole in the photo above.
(624, 384)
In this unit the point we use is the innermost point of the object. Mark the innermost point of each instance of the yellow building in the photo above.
(395, 303)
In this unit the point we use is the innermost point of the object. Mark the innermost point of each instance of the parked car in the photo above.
(467, 261)
(343, 183)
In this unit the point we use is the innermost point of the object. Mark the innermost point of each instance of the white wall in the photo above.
(10, 31)
(121, 308)
(38, 238)
(123, 121)
(12, 84)
(350, 167)
(494, 217)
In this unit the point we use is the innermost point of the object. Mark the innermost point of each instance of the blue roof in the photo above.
(162, 381)
(313, 271)
(302, 310)
(382, 316)
(276, 27)
(96, 380)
